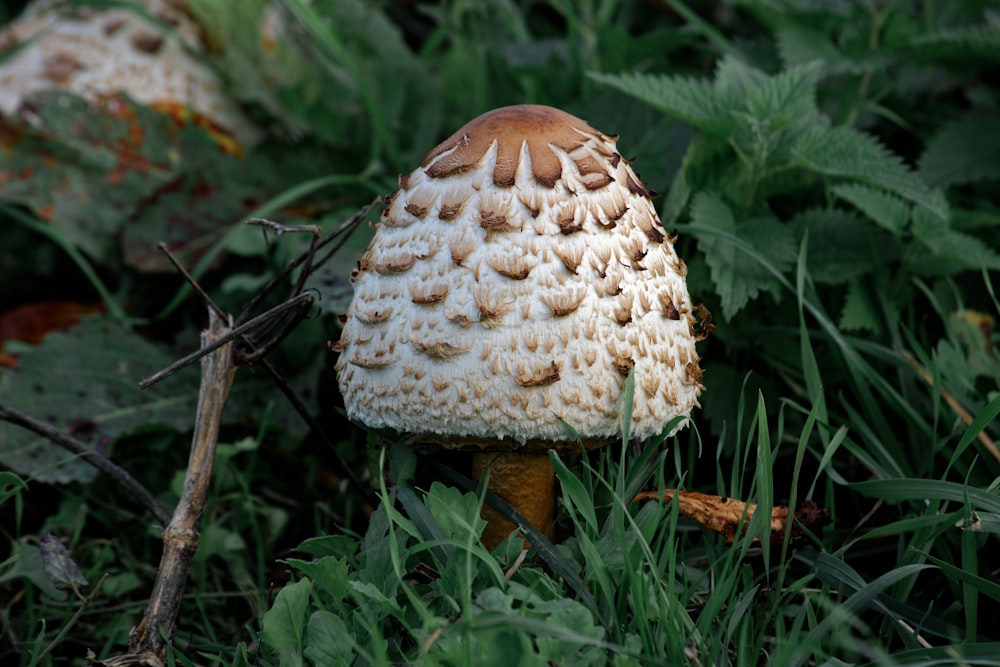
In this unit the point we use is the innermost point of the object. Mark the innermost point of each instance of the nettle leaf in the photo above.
(787, 98)
(977, 46)
(885, 210)
(965, 150)
(689, 99)
(847, 153)
(860, 310)
(734, 79)
(85, 381)
(799, 45)
(842, 245)
(944, 251)
(739, 275)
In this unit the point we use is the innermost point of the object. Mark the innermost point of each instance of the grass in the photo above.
(848, 254)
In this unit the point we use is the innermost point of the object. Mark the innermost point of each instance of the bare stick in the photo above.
(148, 644)
(94, 458)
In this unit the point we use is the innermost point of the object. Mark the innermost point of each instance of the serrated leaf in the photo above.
(738, 276)
(847, 153)
(733, 82)
(946, 251)
(842, 246)
(977, 46)
(786, 98)
(882, 208)
(329, 573)
(689, 99)
(964, 150)
(85, 381)
(860, 311)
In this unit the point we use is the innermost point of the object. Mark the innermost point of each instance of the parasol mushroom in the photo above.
(515, 280)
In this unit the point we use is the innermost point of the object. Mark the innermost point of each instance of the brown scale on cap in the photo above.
(539, 126)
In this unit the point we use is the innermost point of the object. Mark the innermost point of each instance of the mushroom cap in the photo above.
(95, 52)
(513, 282)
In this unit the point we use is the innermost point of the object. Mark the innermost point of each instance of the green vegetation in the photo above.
(832, 171)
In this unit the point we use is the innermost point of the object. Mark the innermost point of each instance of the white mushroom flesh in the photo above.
(508, 292)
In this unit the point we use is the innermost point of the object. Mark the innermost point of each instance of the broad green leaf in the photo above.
(846, 153)
(842, 246)
(885, 210)
(691, 100)
(455, 512)
(85, 382)
(964, 150)
(328, 642)
(284, 622)
(739, 277)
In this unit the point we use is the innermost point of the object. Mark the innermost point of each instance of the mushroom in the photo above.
(149, 52)
(514, 281)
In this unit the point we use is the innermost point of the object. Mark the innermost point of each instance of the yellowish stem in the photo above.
(526, 481)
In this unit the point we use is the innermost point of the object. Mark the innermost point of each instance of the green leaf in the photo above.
(946, 251)
(85, 381)
(284, 622)
(787, 98)
(984, 586)
(328, 641)
(842, 246)
(964, 150)
(860, 310)
(885, 210)
(846, 153)
(928, 489)
(977, 46)
(739, 277)
(329, 573)
(457, 513)
(799, 45)
(691, 100)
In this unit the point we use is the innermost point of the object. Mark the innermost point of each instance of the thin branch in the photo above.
(181, 269)
(347, 226)
(307, 297)
(99, 461)
(365, 491)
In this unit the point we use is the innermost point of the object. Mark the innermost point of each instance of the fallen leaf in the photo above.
(726, 515)
(32, 321)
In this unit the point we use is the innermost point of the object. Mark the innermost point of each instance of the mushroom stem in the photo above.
(526, 481)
